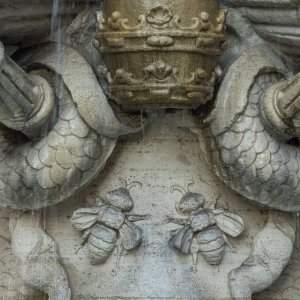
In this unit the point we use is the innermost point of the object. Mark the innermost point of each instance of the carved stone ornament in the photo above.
(165, 94)
(150, 49)
(105, 226)
(38, 260)
(204, 230)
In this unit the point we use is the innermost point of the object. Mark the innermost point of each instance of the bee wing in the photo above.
(130, 235)
(182, 240)
(84, 218)
(230, 223)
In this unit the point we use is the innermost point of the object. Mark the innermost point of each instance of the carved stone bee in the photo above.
(204, 230)
(107, 225)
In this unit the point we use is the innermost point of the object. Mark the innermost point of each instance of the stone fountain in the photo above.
(149, 149)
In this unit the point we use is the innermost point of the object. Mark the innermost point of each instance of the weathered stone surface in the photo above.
(154, 269)
(207, 243)
(52, 170)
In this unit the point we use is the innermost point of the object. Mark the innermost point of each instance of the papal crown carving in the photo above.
(157, 59)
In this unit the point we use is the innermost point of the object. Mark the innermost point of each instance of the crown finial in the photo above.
(160, 55)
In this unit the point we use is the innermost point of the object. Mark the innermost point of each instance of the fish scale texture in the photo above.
(37, 174)
(254, 162)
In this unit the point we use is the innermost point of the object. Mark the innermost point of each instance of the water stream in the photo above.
(56, 36)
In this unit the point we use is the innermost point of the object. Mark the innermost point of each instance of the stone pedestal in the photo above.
(167, 153)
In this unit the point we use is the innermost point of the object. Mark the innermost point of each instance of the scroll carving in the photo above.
(37, 253)
(272, 249)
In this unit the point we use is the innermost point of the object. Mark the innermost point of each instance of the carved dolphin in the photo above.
(38, 173)
(249, 157)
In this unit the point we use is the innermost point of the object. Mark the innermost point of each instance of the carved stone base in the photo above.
(166, 154)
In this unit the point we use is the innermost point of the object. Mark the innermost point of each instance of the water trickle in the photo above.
(142, 122)
(56, 36)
